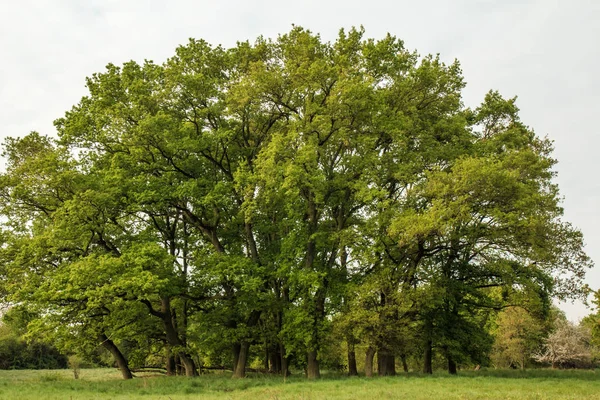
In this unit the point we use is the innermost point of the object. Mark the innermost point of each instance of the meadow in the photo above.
(104, 384)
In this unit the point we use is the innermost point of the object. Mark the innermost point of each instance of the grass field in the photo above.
(105, 384)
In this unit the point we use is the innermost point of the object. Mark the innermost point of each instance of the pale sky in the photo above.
(546, 52)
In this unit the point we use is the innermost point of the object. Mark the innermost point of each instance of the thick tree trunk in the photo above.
(312, 366)
(275, 360)
(189, 364)
(173, 337)
(391, 365)
(117, 355)
(352, 371)
(451, 366)
(369, 361)
(427, 358)
(386, 363)
(171, 366)
(240, 367)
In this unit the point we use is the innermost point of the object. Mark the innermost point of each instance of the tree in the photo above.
(230, 199)
(43, 249)
(518, 336)
(490, 219)
(591, 323)
(567, 346)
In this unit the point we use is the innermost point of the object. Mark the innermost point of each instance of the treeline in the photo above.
(16, 352)
(274, 200)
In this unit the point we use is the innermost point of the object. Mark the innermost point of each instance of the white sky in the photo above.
(545, 51)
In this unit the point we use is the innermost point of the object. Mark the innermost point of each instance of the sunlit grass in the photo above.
(492, 384)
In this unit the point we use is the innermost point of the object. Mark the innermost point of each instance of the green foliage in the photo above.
(17, 353)
(287, 193)
(518, 337)
(592, 324)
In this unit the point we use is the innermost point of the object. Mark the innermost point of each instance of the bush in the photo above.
(15, 353)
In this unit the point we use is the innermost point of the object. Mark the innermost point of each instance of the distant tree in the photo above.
(518, 336)
(592, 323)
(568, 346)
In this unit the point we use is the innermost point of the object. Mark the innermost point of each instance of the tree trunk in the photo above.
(386, 363)
(272, 361)
(173, 337)
(312, 366)
(352, 371)
(236, 355)
(178, 368)
(285, 365)
(451, 366)
(369, 361)
(275, 360)
(267, 358)
(404, 364)
(240, 367)
(391, 365)
(427, 358)
(117, 355)
(171, 366)
(189, 364)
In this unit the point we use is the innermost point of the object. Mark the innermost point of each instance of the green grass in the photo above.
(105, 384)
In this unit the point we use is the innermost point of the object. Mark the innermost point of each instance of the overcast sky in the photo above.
(546, 52)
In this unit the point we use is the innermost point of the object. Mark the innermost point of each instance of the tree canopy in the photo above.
(253, 202)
